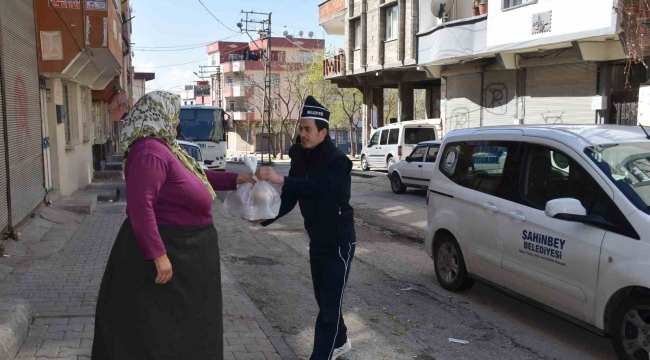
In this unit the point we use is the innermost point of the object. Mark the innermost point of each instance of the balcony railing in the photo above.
(334, 66)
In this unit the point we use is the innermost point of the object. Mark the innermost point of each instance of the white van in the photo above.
(558, 216)
(392, 143)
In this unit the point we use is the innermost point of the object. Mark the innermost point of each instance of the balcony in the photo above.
(235, 91)
(331, 16)
(453, 42)
(102, 56)
(334, 66)
(243, 115)
(242, 65)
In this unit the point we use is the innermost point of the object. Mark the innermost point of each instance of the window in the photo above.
(306, 56)
(393, 137)
(432, 153)
(414, 136)
(391, 23)
(235, 57)
(231, 106)
(193, 151)
(484, 166)
(281, 56)
(384, 137)
(213, 60)
(66, 115)
(550, 174)
(628, 167)
(357, 34)
(418, 154)
(375, 139)
(512, 3)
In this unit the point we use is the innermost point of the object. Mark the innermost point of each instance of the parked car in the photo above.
(416, 169)
(388, 144)
(558, 216)
(195, 151)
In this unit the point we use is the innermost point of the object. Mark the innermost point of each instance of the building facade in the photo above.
(239, 87)
(82, 48)
(140, 84)
(380, 53)
(529, 62)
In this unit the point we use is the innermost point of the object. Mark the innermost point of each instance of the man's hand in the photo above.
(245, 178)
(266, 173)
(164, 268)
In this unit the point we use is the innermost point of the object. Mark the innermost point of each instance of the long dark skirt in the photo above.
(137, 319)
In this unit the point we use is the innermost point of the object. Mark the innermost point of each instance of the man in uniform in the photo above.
(320, 180)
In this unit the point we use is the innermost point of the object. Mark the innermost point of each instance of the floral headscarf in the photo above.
(153, 116)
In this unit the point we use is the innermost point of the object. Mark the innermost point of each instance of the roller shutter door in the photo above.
(463, 108)
(499, 100)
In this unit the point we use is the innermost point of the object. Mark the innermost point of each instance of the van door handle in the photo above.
(517, 215)
(420, 166)
(490, 207)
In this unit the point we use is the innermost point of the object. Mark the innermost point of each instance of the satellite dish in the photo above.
(441, 8)
(311, 34)
(285, 33)
(301, 33)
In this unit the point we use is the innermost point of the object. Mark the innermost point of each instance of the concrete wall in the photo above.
(571, 20)
(71, 165)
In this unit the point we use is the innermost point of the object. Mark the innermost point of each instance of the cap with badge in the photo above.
(312, 109)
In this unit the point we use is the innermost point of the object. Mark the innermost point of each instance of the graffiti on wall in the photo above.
(496, 99)
(22, 110)
(459, 118)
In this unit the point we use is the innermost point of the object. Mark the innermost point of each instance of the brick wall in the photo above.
(330, 8)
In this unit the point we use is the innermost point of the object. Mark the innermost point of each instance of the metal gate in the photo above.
(560, 94)
(624, 99)
(22, 113)
(463, 108)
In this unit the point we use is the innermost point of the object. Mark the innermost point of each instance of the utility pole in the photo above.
(264, 31)
(212, 72)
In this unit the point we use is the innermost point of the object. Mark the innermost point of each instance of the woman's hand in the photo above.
(245, 178)
(164, 268)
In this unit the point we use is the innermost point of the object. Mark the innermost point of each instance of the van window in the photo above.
(384, 137)
(414, 136)
(393, 137)
(550, 174)
(374, 140)
(485, 166)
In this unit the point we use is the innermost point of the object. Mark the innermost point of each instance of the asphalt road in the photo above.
(394, 307)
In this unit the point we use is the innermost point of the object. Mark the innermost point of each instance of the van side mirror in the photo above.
(408, 159)
(565, 208)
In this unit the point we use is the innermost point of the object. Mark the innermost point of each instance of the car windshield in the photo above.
(627, 166)
(194, 151)
(414, 136)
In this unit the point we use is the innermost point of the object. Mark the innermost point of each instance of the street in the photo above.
(394, 308)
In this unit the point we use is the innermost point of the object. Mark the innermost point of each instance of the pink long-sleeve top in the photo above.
(160, 190)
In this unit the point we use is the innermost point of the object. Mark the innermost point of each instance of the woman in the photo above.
(160, 296)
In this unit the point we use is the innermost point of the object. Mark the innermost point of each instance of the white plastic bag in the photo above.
(253, 202)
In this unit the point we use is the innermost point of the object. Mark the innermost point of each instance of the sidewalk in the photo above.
(58, 265)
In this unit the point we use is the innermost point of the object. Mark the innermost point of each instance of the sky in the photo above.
(187, 23)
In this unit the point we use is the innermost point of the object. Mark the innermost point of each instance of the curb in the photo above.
(15, 319)
(276, 340)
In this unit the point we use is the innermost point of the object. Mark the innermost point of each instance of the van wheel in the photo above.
(631, 328)
(364, 164)
(450, 265)
(389, 162)
(396, 184)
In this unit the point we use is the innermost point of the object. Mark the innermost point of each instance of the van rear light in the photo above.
(399, 150)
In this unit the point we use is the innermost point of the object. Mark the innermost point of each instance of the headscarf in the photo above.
(153, 116)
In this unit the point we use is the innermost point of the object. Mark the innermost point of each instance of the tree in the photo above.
(390, 104)
(350, 103)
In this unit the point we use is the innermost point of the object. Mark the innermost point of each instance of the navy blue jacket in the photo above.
(320, 180)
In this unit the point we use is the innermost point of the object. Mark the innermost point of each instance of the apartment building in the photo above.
(380, 52)
(240, 85)
(82, 46)
(530, 62)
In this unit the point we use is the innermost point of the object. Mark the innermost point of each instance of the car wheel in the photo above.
(631, 328)
(396, 184)
(450, 265)
(364, 164)
(389, 162)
